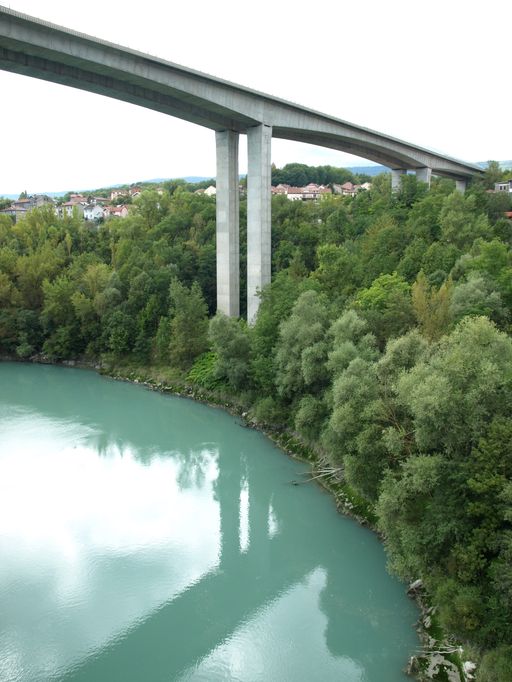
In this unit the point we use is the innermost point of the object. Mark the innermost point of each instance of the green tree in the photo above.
(352, 436)
(310, 417)
(403, 508)
(31, 270)
(493, 174)
(120, 333)
(229, 338)
(454, 394)
(387, 306)
(411, 190)
(382, 247)
(59, 321)
(369, 430)
(460, 222)
(151, 207)
(277, 300)
(349, 339)
(301, 352)
(432, 307)
(189, 324)
(476, 296)
(496, 666)
(162, 340)
(9, 295)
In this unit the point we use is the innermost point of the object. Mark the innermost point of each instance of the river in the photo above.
(145, 538)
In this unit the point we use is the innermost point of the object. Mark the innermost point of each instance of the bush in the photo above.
(230, 341)
(496, 665)
(267, 411)
(204, 371)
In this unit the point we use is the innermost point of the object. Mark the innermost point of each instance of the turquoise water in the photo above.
(148, 538)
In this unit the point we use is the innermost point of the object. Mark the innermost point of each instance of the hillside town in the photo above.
(312, 191)
(96, 209)
(90, 208)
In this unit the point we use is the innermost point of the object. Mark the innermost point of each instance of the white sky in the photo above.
(436, 74)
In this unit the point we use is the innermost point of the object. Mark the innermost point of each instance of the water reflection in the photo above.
(264, 648)
(244, 538)
(177, 550)
(80, 532)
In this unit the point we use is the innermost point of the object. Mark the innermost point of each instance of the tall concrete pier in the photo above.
(258, 219)
(258, 215)
(228, 219)
(39, 49)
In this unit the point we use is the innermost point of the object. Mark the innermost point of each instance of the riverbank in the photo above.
(437, 658)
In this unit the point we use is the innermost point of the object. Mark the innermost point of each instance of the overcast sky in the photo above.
(436, 74)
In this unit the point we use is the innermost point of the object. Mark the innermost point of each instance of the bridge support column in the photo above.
(228, 239)
(424, 175)
(460, 186)
(396, 178)
(258, 215)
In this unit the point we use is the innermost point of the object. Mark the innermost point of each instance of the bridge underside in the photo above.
(165, 100)
(35, 48)
(173, 102)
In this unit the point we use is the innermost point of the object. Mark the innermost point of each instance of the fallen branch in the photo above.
(321, 474)
(441, 651)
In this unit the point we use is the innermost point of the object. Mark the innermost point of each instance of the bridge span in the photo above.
(39, 49)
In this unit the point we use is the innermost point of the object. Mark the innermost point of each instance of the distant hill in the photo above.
(365, 170)
(505, 165)
(189, 178)
(50, 194)
(368, 170)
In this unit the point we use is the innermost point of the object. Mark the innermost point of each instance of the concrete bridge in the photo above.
(36, 48)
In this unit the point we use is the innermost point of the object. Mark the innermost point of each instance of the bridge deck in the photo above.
(36, 48)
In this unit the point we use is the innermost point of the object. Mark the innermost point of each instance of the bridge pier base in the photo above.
(396, 178)
(228, 239)
(424, 175)
(258, 215)
(460, 186)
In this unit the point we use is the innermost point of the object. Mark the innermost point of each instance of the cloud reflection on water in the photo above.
(69, 518)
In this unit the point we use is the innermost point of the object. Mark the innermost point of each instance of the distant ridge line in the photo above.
(372, 170)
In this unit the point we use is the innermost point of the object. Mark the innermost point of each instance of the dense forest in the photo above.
(382, 344)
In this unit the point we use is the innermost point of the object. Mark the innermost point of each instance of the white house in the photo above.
(93, 212)
(295, 194)
(310, 192)
(505, 186)
(313, 191)
(349, 189)
(280, 189)
(116, 211)
(118, 193)
(210, 191)
(67, 208)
